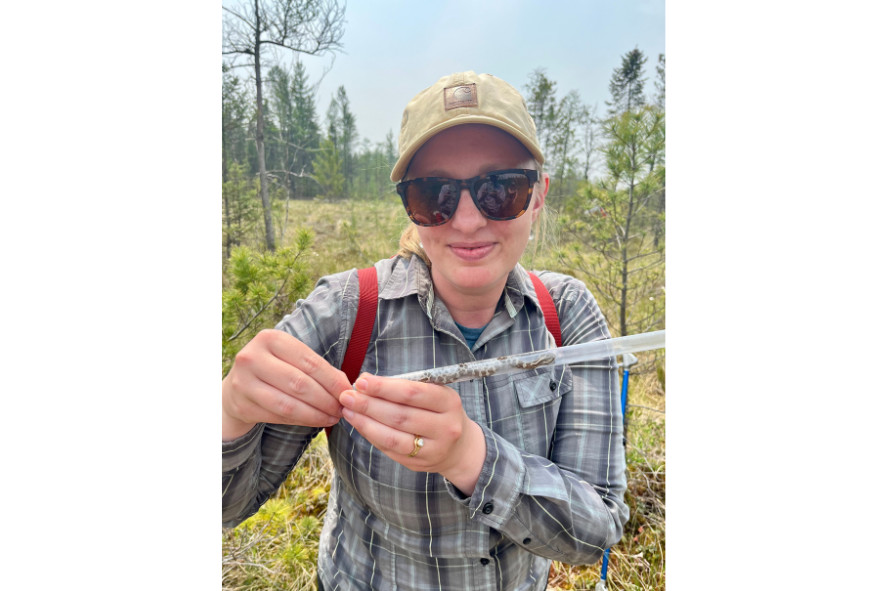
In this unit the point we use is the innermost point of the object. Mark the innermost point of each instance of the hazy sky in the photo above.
(395, 48)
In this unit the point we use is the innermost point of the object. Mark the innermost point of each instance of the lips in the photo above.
(471, 252)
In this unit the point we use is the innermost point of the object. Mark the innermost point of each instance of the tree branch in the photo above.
(249, 23)
(263, 308)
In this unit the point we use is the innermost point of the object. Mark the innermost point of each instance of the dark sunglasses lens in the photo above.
(502, 196)
(431, 202)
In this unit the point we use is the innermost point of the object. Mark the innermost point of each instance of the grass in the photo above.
(276, 549)
(348, 234)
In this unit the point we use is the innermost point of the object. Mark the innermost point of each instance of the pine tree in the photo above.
(660, 82)
(557, 123)
(298, 135)
(626, 84)
(237, 111)
(241, 211)
(618, 227)
(328, 170)
(568, 118)
(307, 132)
(342, 132)
(541, 100)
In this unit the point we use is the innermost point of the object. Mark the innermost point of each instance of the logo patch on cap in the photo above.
(464, 95)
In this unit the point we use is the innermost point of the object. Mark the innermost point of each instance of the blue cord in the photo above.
(624, 440)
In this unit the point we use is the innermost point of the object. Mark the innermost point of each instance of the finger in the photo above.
(430, 397)
(256, 363)
(406, 419)
(266, 404)
(292, 351)
(392, 442)
(291, 381)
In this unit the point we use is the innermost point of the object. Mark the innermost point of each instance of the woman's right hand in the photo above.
(278, 379)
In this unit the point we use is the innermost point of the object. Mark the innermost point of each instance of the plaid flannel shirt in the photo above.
(553, 480)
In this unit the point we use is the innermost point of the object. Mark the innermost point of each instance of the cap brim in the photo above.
(406, 157)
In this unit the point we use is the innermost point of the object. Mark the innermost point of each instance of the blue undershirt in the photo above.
(471, 334)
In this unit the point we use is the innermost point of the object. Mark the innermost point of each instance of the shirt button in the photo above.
(488, 508)
(552, 386)
(484, 561)
(527, 540)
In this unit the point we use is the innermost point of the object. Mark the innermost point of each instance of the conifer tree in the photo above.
(626, 83)
(660, 82)
(342, 132)
(242, 213)
(307, 131)
(328, 170)
(298, 135)
(618, 226)
(541, 100)
(235, 121)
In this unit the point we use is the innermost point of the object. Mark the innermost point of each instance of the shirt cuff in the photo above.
(237, 451)
(499, 486)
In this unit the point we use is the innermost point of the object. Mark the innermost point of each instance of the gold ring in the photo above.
(417, 443)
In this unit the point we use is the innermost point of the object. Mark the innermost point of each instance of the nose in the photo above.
(467, 218)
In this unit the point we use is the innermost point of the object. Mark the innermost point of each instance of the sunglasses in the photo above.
(499, 195)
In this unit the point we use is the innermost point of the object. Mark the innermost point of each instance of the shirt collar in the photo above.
(412, 277)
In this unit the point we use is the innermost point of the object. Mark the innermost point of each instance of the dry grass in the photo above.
(348, 234)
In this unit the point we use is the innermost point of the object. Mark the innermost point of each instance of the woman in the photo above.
(477, 485)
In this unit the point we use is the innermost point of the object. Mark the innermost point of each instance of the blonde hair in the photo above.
(410, 242)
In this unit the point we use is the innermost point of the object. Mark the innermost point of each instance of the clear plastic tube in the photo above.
(560, 356)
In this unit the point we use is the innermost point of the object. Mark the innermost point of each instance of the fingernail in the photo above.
(347, 399)
(362, 384)
(348, 414)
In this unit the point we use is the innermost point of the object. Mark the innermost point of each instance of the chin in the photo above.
(476, 278)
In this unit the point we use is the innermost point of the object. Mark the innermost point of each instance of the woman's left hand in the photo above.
(392, 413)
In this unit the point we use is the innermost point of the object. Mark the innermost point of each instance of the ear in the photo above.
(539, 194)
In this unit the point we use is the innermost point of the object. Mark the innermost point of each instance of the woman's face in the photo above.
(471, 255)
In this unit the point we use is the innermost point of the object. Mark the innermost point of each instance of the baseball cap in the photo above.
(462, 98)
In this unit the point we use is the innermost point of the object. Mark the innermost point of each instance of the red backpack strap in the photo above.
(367, 279)
(362, 332)
(547, 308)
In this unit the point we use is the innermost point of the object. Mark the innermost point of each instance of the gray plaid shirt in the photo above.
(553, 481)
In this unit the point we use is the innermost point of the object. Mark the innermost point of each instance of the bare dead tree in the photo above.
(311, 27)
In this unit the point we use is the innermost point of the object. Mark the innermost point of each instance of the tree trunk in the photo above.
(260, 140)
(658, 225)
(623, 296)
(227, 207)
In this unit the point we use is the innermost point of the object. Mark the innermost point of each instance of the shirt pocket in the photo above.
(529, 405)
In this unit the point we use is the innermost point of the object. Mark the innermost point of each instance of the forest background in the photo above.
(304, 195)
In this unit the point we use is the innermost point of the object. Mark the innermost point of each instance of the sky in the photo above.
(392, 49)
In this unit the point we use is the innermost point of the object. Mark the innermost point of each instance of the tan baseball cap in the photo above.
(463, 98)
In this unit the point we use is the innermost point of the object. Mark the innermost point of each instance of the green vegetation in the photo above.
(277, 547)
